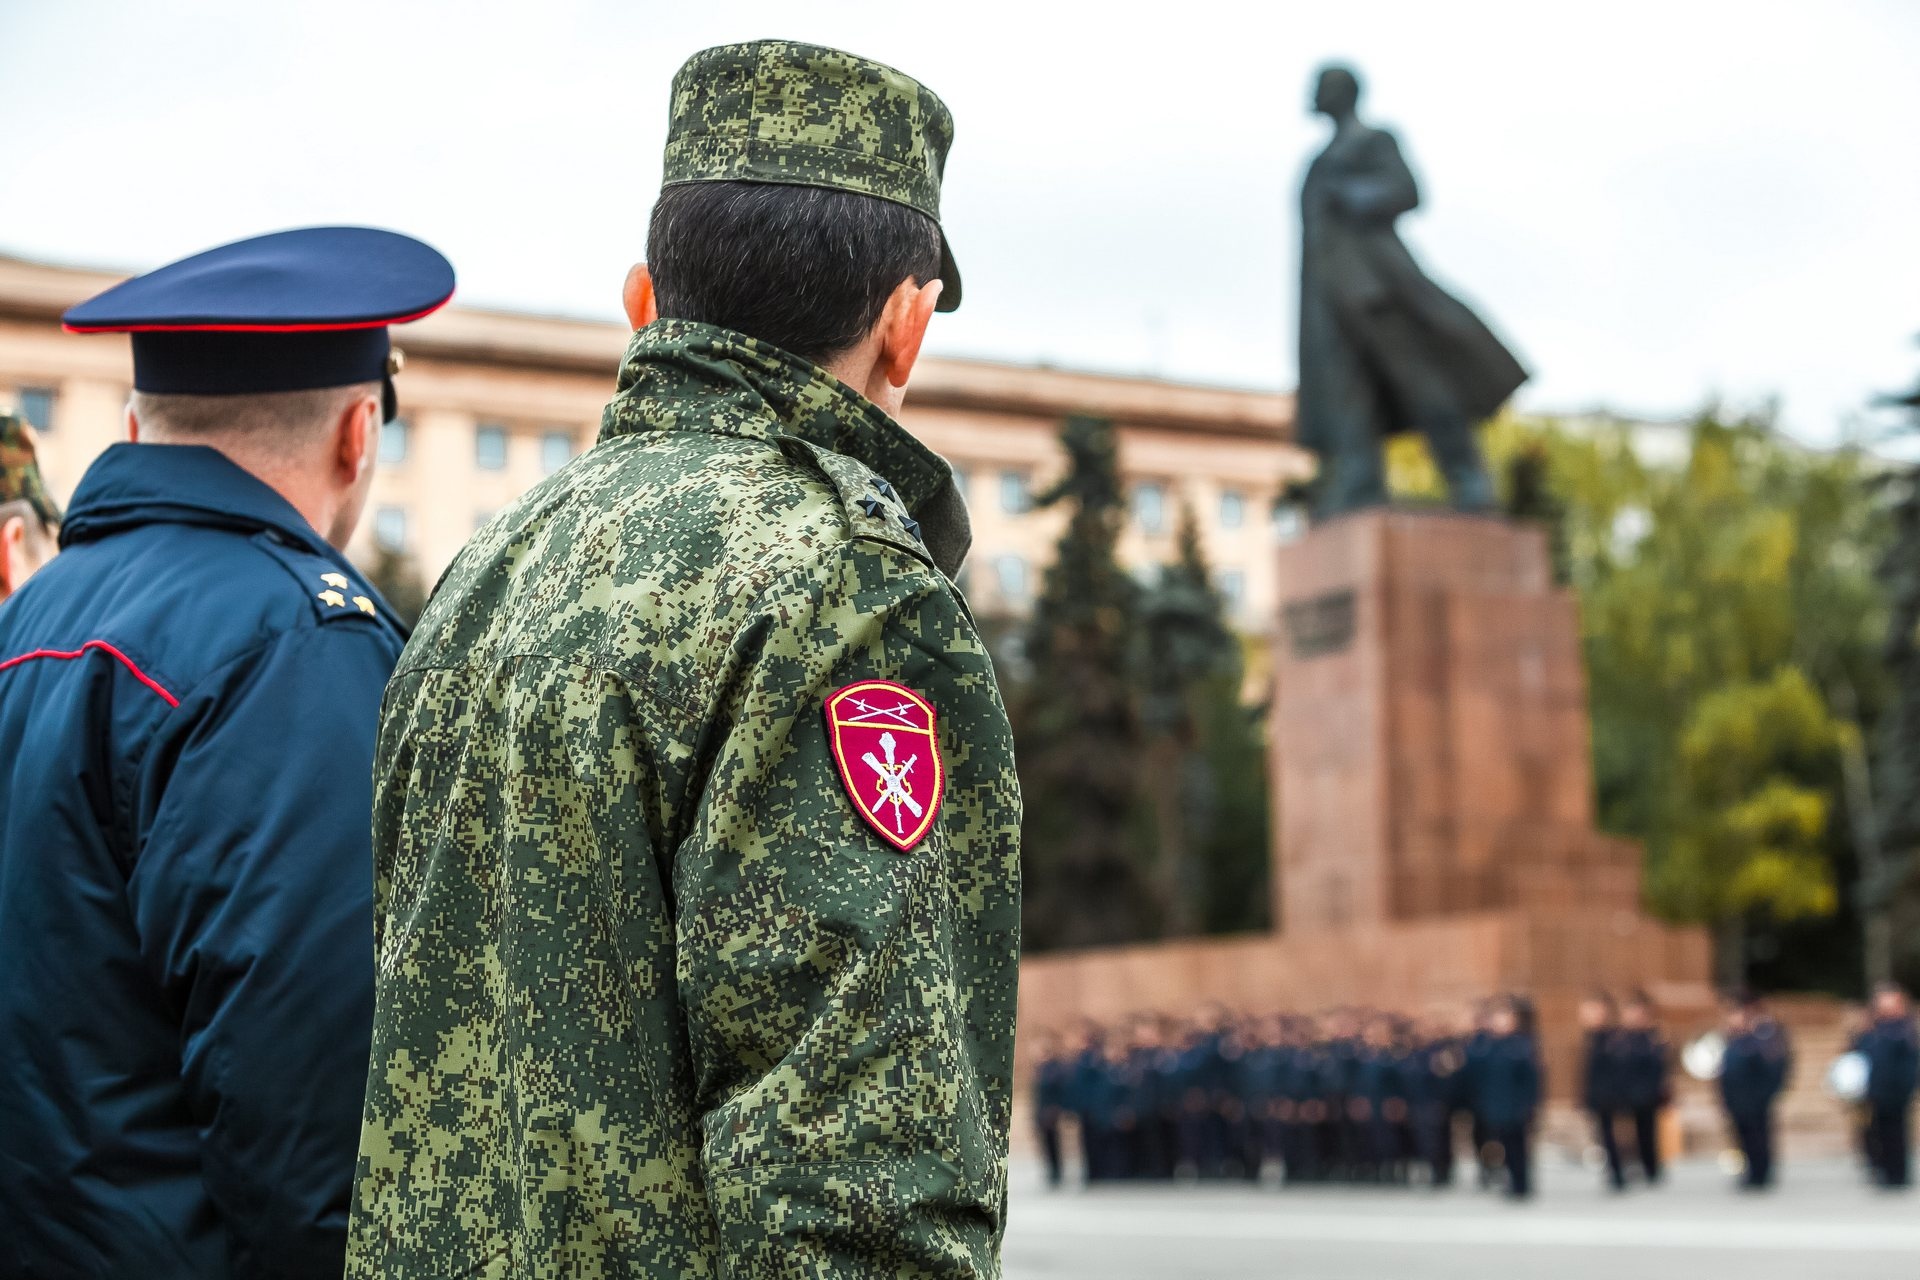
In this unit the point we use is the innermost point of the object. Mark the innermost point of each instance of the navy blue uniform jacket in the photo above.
(1507, 1082)
(1755, 1068)
(188, 701)
(1892, 1050)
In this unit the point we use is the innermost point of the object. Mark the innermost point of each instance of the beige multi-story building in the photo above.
(492, 401)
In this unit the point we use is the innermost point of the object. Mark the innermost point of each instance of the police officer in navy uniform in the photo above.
(188, 699)
(1753, 1071)
(1644, 1063)
(1892, 1051)
(1602, 1089)
(1052, 1099)
(1508, 1086)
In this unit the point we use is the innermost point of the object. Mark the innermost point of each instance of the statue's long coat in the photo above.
(1381, 345)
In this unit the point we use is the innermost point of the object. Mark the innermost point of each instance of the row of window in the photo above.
(1012, 581)
(1150, 507)
(391, 527)
(489, 446)
(1012, 577)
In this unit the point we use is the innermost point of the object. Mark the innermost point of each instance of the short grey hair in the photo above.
(268, 419)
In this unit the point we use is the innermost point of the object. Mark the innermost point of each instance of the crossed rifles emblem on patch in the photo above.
(889, 729)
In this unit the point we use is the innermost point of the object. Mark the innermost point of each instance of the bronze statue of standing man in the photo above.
(1383, 348)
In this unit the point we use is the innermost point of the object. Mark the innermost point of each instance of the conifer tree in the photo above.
(1076, 728)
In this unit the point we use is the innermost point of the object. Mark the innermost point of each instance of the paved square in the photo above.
(1822, 1221)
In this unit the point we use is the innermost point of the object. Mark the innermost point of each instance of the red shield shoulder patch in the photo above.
(883, 741)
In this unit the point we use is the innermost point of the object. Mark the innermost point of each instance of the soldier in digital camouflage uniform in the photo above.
(678, 976)
(29, 517)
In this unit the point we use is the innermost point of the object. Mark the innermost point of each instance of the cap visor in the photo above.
(949, 278)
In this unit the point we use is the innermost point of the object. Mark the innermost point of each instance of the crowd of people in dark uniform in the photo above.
(1368, 1096)
(1351, 1095)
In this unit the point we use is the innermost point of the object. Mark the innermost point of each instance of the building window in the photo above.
(36, 407)
(961, 480)
(556, 450)
(1289, 521)
(1233, 508)
(394, 438)
(1150, 508)
(480, 519)
(1010, 576)
(490, 447)
(1015, 497)
(1232, 584)
(390, 528)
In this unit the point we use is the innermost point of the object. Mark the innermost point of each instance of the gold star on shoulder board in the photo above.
(333, 598)
(363, 604)
(338, 580)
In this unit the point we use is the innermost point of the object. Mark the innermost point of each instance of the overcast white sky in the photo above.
(1655, 202)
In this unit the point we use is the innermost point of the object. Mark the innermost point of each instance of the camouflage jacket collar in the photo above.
(757, 390)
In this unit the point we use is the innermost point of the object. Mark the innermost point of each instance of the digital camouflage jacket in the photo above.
(654, 998)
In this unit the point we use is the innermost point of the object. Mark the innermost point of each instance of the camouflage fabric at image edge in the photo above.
(653, 999)
(20, 479)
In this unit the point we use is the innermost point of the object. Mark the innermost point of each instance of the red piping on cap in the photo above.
(104, 647)
(256, 328)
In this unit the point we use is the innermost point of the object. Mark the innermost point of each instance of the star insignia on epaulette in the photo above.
(338, 580)
(363, 604)
(334, 598)
(872, 506)
(912, 526)
(886, 490)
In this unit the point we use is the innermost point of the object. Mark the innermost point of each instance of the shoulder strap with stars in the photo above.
(336, 594)
(873, 508)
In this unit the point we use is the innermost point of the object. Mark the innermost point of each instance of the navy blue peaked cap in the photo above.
(291, 311)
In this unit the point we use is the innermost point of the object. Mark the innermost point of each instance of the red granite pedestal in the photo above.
(1434, 828)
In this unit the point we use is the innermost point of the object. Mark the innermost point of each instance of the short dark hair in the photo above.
(808, 269)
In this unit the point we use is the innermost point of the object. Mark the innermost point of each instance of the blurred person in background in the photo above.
(1507, 1091)
(1479, 1039)
(1096, 1105)
(1268, 1100)
(1753, 1071)
(29, 517)
(1052, 1099)
(1893, 1072)
(1439, 1067)
(1601, 1090)
(1645, 1065)
(1379, 1101)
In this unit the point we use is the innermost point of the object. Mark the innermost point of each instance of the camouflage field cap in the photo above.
(20, 471)
(777, 111)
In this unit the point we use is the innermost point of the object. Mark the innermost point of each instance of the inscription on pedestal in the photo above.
(1320, 624)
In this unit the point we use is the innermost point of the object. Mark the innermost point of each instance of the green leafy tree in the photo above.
(1731, 623)
(1076, 726)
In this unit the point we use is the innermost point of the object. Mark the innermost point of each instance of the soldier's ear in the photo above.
(903, 327)
(13, 539)
(636, 296)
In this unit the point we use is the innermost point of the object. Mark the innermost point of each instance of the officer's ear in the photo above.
(356, 436)
(903, 327)
(636, 296)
